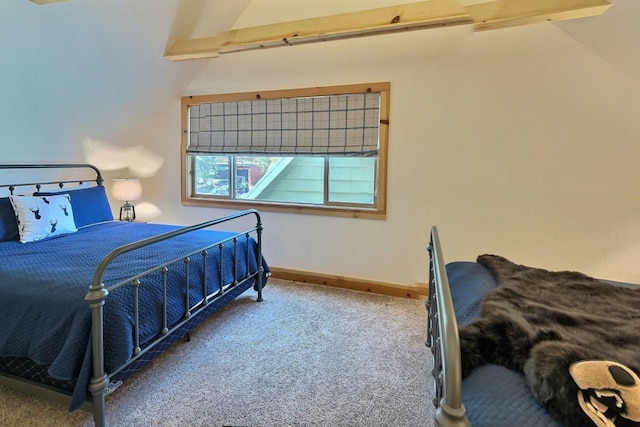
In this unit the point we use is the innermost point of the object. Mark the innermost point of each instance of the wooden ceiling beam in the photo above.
(41, 2)
(402, 17)
(392, 19)
(510, 13)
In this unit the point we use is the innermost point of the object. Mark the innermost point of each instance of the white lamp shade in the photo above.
(126, 189)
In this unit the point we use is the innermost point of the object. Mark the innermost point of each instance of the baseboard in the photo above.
(392, 289)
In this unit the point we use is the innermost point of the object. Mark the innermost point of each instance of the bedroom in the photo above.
(523, 138)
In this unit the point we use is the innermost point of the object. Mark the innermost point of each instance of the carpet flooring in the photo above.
(307, 355)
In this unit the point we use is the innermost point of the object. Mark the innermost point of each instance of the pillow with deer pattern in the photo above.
(41, 217)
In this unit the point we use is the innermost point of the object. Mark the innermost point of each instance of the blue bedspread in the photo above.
(493, 395)
(43, 314)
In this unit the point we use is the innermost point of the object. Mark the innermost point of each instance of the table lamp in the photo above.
(126, 190)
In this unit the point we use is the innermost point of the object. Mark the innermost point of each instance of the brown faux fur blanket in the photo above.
(540, 322)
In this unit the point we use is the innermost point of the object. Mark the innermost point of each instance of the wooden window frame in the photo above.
(378, 211)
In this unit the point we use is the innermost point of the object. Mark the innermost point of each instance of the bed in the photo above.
(86, 301)
(521, 346)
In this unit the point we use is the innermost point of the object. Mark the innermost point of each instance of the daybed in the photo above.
(517, 346)
(86, 301)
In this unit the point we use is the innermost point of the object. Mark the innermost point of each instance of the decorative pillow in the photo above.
(42, 217)
(8, 224)
(90, 205)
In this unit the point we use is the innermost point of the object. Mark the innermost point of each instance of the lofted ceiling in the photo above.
(208, 28)
(207, 37)
(365, 20)
(615, 36)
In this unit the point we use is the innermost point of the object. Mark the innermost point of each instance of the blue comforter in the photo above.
(43, 314)
(493, 395)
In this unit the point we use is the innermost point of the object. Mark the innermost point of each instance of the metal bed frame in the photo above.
(97, 295)
(444, 341)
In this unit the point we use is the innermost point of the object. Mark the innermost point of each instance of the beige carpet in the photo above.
(306, 356)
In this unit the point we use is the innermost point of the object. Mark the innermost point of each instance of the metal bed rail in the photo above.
(60, 183)
(98, 295)
(444, 341)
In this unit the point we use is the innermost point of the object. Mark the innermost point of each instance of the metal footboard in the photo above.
(443, 339)
(98, 293)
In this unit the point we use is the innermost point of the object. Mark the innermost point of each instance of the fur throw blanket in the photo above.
(542, 323)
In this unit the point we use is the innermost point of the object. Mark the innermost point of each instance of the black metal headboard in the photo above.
(60, 183)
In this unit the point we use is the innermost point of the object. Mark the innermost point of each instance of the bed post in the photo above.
(444, 341)
(99, 379)
(260, 266)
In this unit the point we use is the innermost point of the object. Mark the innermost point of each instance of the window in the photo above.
(316, 150)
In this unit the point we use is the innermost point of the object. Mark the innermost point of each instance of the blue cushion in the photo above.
(468, 281)
(90, 205)
(8, 224)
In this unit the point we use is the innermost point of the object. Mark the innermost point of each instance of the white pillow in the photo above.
(40, 217)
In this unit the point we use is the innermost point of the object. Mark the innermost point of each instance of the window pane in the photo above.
(211, 175)
(352, 180)
(249, 173)
(284, 179)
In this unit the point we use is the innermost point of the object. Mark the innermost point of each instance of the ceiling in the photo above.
(199, 20)
(614, 35)
(276, 23)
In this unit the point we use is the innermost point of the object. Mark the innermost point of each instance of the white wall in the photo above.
(88, 68)
(84, 68)
(520, 142)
